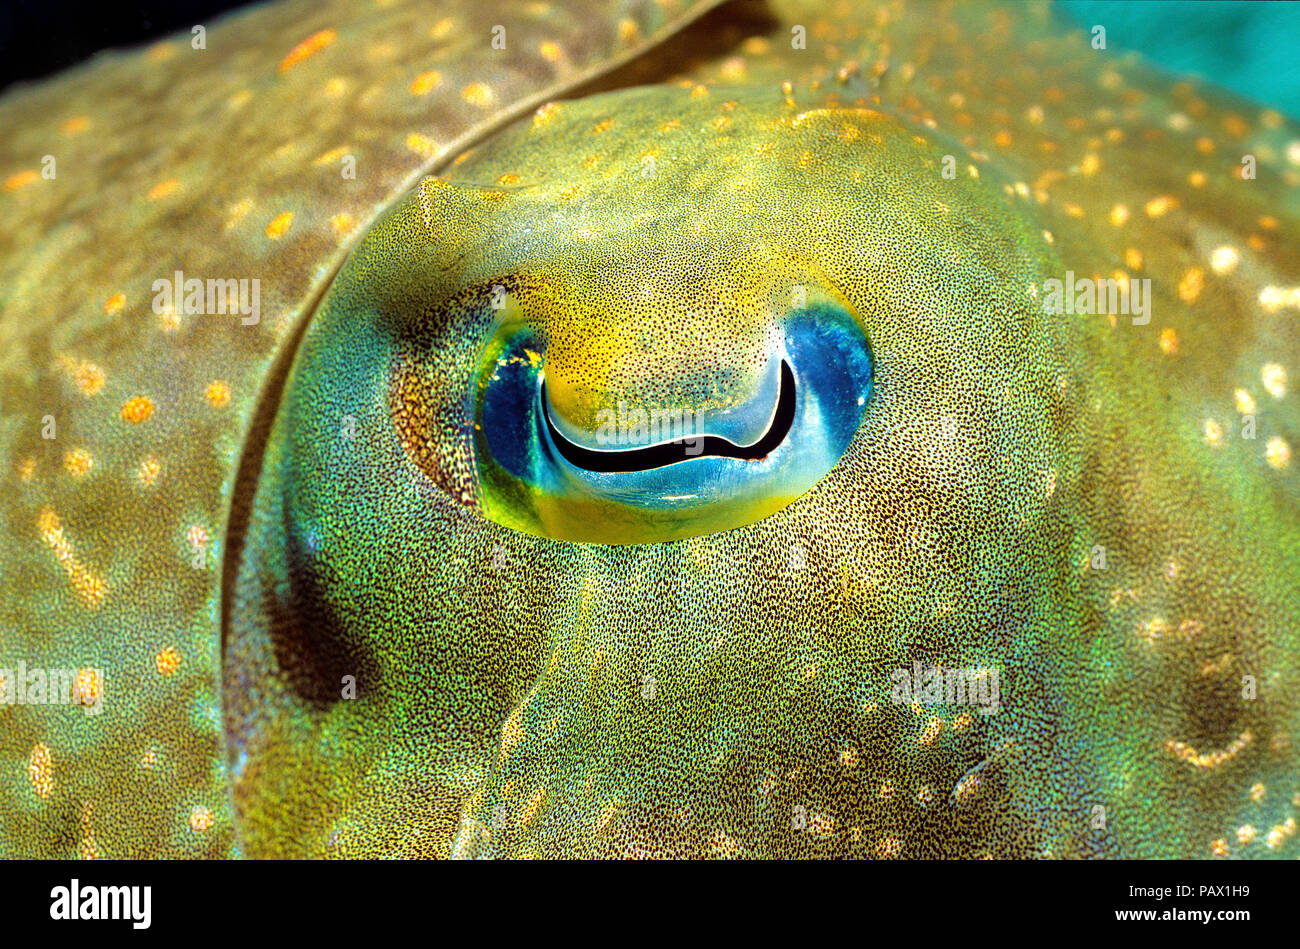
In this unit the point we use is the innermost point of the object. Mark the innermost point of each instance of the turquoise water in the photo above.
(1252, 48)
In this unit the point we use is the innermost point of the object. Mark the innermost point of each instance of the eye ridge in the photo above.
(668, 453)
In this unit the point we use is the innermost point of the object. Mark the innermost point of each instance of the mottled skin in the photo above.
(519, 694)
(169, 159)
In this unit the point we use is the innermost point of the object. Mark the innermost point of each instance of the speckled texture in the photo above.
(729, 693)
(223, 163)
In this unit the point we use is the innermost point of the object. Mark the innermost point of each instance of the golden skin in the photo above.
(222, 163)
(1071, 434)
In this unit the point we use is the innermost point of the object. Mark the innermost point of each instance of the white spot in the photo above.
(1223, 260)
(1274, 378)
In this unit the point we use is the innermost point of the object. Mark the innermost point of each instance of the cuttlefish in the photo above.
(806, 428)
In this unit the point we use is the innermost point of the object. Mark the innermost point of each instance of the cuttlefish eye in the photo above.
(664, 448)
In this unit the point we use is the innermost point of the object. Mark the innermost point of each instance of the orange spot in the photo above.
(507, 179)
(279, 224)
(88, 849)
(342, 223)
(1191, 285)
(1277, 453)
(1158, 207)
(167, 661)
(932, 730)
(88, 586)
(422, 145)
(114, 303)
(308, 47)
(78, 123)
(163, 188)
(20, 180)
(551, 52)
(77, 462)
(602, 126)
(40, 770)
(478, 95)
(137, 410)
(426, 82)
(331, 156)
(1002, 139)
(1168, 341)
(217, 393)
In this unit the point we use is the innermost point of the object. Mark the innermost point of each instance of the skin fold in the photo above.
(336, 616)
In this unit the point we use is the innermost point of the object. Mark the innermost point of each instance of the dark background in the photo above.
(40, 37)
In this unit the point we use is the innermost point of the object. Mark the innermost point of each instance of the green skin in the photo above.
(416, 658)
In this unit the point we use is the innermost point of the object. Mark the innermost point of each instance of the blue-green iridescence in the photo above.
(1097, 510)
(528, 484)
(1071, 507)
